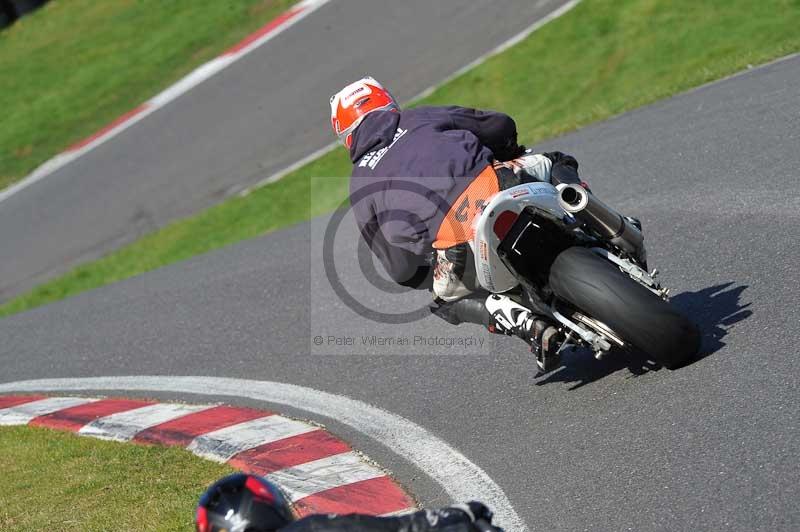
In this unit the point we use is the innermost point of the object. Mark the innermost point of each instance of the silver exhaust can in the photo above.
(602, 219)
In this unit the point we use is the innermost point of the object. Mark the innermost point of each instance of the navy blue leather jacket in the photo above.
(409, 167)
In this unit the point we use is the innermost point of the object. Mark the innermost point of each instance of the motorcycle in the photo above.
(582, 265)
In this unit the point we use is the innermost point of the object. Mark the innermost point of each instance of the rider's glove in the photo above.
(528, 167)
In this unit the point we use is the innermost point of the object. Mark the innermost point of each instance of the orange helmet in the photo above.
(351, 104)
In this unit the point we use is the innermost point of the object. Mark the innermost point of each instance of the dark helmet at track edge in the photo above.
(242, 503)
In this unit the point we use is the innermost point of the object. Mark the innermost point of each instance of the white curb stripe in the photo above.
(301, 10)
(187, 83)
(125, 425)
(23, 414)
(324, 474)
(405, 511)
(460, 478)
(221, 445)
(309, 481)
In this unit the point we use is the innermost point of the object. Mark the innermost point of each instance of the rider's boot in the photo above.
(502, 315)
(514, 319)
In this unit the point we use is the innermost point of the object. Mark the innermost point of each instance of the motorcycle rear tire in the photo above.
(600, 290)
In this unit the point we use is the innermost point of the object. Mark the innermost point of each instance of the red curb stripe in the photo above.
(289, 452)
(376, 496)
(8, 401)
(235, 49)
(75, 418)
(253, 37)
(118, 122)
(183, 430)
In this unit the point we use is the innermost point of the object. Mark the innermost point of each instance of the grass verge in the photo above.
(59, 85)
(600, 59)
(60, 481)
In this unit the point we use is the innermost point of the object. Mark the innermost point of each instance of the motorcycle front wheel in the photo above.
(600, 290)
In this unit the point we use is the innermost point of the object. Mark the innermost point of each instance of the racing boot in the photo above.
(502, 315)
(470, 309)
(511, 318)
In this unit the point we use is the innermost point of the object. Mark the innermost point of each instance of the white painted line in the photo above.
(47, 168)
(516, 39)
(461, 479)
(22, 414)
(123, 426)
(323, 474)
(748, 70)
(193, 79)
(289, 169)
(304, 8)
(190, 81)
(221, 445)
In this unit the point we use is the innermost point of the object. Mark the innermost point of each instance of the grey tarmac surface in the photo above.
(250, 121)
(613, 445)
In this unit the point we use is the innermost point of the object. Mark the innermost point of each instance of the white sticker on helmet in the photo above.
(354, 94)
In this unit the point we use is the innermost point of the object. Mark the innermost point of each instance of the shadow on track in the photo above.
(715, 310)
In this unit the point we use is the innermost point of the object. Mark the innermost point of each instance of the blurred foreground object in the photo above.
(11, 10)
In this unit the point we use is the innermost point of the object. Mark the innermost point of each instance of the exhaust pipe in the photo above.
(605, 221)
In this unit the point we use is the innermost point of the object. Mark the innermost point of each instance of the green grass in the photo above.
(60, 481)
(75, 65)
(602, 58)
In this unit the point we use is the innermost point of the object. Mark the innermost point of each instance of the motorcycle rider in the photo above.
(420, 176)
(248, 503)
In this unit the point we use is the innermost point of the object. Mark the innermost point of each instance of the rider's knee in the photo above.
(454, 273)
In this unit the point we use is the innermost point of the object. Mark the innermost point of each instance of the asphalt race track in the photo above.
(250, 121)
(618, 445)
